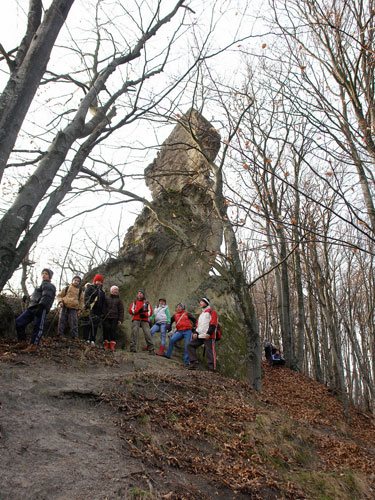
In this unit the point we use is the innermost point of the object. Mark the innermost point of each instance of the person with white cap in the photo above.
(113, 317)
(205, 334)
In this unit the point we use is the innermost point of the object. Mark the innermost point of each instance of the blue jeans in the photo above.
(163, 331)
(175, 338)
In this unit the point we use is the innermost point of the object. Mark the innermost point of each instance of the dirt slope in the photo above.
(81, 424)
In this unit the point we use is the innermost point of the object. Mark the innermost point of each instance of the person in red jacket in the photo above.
(141, 310)
(184, 326)
(205, 333)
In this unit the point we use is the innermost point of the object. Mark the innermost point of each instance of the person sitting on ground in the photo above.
(94, 303)
(277, 359)
(141, 310)
(162, 318)
(205, 334)
(114, 316)
(184, 328)
(71, 301)
(41, 302)
(269, 349)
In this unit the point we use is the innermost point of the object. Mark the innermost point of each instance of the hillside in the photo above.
(79, 424)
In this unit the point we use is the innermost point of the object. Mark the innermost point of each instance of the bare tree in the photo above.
(57, 168)
(27, 65)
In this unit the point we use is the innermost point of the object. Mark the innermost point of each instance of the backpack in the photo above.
(79, 294)
(219, 334)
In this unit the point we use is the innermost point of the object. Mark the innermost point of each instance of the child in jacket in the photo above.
(205, 335)
(141, 310)
(162, 318)
(41, 302)
(114, 316)
(71, 301)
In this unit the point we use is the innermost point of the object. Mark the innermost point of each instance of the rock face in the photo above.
(152, 258)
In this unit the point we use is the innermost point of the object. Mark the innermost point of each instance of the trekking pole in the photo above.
(58, 323)
(53, 320)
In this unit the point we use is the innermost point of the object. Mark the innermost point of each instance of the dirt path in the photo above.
(57, 441)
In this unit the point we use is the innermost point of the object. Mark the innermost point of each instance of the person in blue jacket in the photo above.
(277, 359)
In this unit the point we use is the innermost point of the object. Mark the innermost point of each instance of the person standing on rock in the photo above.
(94, 303)
(205, 335)
(184, 328)
(41, 302)
(161, 318)
(71, 301)
(114, 316)
(141, 310)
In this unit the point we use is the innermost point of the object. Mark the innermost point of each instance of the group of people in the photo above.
(95, 306)
(196, 331)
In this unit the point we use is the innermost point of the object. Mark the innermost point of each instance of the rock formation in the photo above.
(152, 257)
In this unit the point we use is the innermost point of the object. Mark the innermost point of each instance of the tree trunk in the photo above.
(27, 73)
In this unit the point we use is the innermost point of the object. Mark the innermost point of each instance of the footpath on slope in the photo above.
(79, 423)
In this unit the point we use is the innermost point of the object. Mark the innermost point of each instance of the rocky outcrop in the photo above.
(152, 257)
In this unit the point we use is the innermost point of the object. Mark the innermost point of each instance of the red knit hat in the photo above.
(98, 277)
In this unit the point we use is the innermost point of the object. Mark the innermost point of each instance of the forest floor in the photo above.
(79, 423)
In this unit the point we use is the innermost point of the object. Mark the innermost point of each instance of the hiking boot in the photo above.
(144, 348)
(112, 345)
(161, 350)
(106, 344)
(193, 366)
(31, 348)
(21, 345)
(92, 342)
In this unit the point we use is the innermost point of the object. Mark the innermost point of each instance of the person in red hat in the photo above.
(95, 304)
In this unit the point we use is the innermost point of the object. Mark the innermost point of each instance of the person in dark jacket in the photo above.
(40, 303)
(114, 316)
(95, 304)
(185, 323)
(269, 349)
(141, 310)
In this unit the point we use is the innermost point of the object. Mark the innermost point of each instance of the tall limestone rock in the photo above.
(152, 257)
